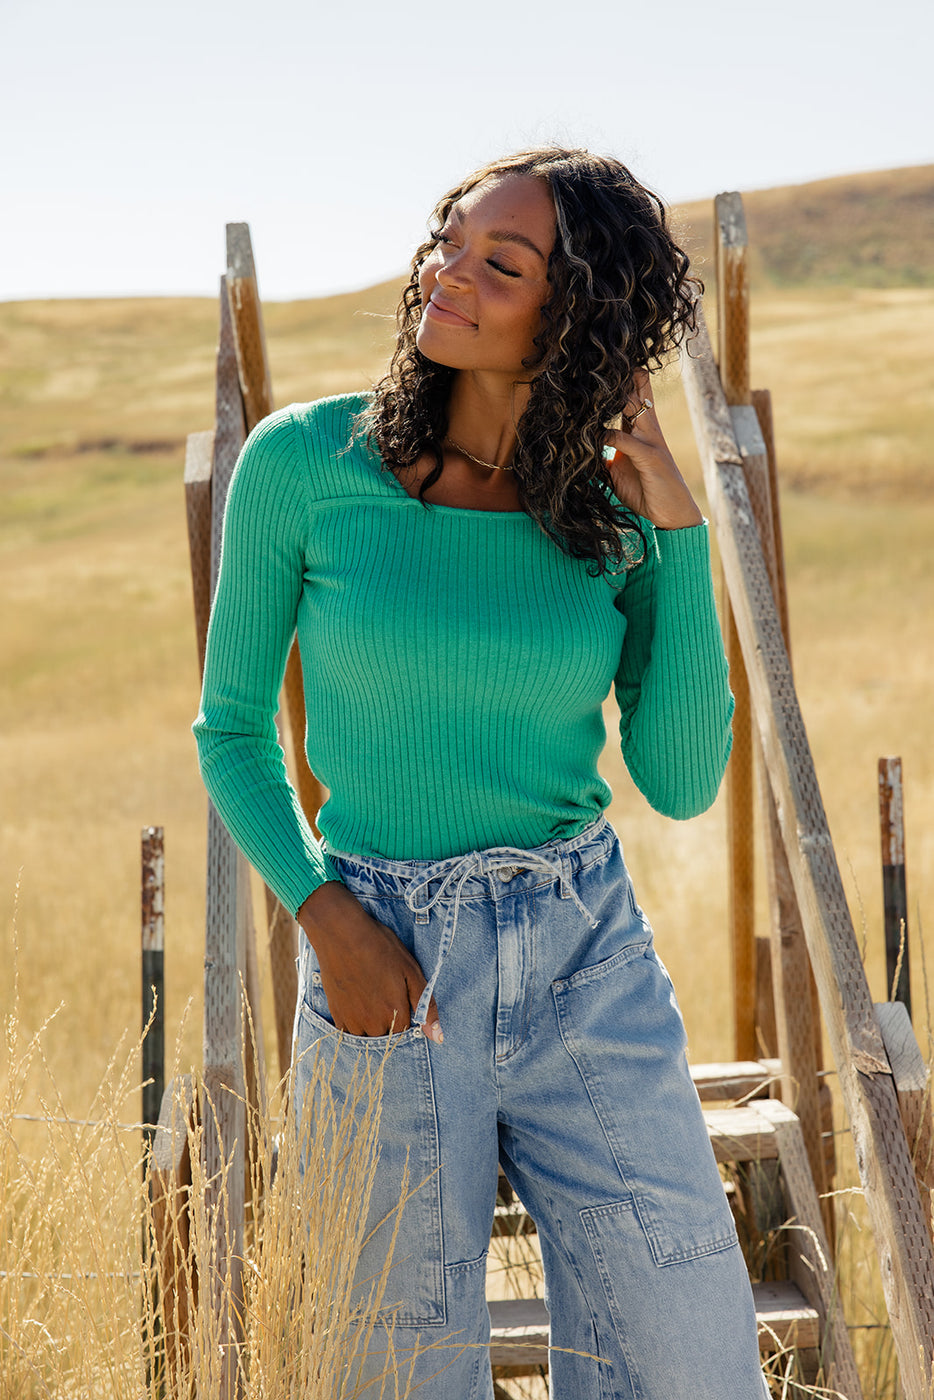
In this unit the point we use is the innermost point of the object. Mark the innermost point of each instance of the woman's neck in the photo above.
(483, 415)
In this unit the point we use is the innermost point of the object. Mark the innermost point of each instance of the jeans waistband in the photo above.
(554, 858)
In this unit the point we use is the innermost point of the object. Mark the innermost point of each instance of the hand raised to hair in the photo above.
(645, 476)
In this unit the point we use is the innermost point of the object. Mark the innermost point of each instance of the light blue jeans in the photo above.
(564, 1060)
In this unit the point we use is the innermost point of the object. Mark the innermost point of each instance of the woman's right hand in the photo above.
(372, 982)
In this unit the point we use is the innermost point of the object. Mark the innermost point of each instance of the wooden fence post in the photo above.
(199, 464)
(256, 391)
(223, 1114)
(733, 354)
(898, 1220)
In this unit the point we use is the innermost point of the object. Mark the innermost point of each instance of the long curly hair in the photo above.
(621, 298)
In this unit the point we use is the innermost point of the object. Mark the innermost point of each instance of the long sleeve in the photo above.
(455, 664)
(672, 687)
(253, 622)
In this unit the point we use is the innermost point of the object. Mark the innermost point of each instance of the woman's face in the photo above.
(486, 280)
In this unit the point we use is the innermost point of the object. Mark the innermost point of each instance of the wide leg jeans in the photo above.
(564, 1060)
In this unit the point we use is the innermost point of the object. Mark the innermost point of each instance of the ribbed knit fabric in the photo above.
(455, 664)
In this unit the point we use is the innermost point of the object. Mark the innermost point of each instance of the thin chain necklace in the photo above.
(492, 466)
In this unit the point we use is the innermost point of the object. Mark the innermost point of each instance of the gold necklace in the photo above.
(491, 466)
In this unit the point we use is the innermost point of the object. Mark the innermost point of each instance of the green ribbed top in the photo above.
(455, 664)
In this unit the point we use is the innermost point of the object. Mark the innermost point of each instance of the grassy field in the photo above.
(99, 681)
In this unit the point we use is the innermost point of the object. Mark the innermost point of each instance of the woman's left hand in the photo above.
(644, 474)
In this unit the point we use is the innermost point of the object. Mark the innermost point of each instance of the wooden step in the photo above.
(510, 1216)
(519, 1338)
(734, 1079)
(741, 1134)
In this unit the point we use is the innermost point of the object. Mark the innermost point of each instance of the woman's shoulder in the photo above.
(316, 446)
(324, 425)
(329, 424)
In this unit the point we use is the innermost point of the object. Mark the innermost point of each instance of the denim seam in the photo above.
(588, 1217)
(523, 1039)
(585, 975)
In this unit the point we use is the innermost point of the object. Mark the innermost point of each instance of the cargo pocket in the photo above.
(408, 1153)
(621, 1025)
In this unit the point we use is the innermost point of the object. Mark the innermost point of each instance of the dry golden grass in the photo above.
(79, 1292)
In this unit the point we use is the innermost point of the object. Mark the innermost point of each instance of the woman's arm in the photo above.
(251, 630)
(674, 698)
(672, 687)
(371, 981)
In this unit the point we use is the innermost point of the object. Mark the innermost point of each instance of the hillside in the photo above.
(870, 230)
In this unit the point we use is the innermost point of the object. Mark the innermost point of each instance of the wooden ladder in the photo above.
(772, 1157)
(768, 1178)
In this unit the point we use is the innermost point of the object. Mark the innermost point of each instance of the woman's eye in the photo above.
(506, 271)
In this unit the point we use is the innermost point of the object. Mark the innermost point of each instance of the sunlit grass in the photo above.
(94, 1300)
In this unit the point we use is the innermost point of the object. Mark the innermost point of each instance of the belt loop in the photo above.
(567, 875)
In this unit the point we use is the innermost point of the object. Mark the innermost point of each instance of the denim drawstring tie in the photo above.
(455, 872)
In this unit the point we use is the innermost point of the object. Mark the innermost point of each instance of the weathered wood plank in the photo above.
(731, 242)
(791, 972)
(741, 1134)
(199, 464)
(223, 1112)
(912, 1077)
(283, 950)
(170, 1190)
(811, 1263)
(310, 792)
(518, 1333)
(249, 338)
(256, 388)
(762, 403)
(247, 319)
(733, 345)
(734, 1079)
(884, 1163)
(785, 1318)
(519, 1328)
(766, 1032)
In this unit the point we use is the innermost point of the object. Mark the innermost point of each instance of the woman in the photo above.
(472, 556)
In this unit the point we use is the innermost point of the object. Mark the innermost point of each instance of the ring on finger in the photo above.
(643, 405)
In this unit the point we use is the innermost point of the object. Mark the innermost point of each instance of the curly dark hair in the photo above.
(621, 298)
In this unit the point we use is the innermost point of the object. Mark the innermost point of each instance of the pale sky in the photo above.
(132, 133)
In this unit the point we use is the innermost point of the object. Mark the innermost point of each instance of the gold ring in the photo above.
(643, 405)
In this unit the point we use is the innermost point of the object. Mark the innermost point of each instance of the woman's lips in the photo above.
(444, 313)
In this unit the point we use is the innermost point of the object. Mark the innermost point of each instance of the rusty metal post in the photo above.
(894, 886)
(153, 959)
(153, 968)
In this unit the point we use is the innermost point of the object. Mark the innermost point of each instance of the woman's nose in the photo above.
(452, 270)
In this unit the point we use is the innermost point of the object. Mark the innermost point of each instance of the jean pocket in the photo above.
(621, 1025)
(405, 1197)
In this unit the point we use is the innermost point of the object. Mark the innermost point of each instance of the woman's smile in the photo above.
(440, 310)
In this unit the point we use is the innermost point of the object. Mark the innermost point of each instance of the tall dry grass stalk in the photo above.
(89, 1307)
